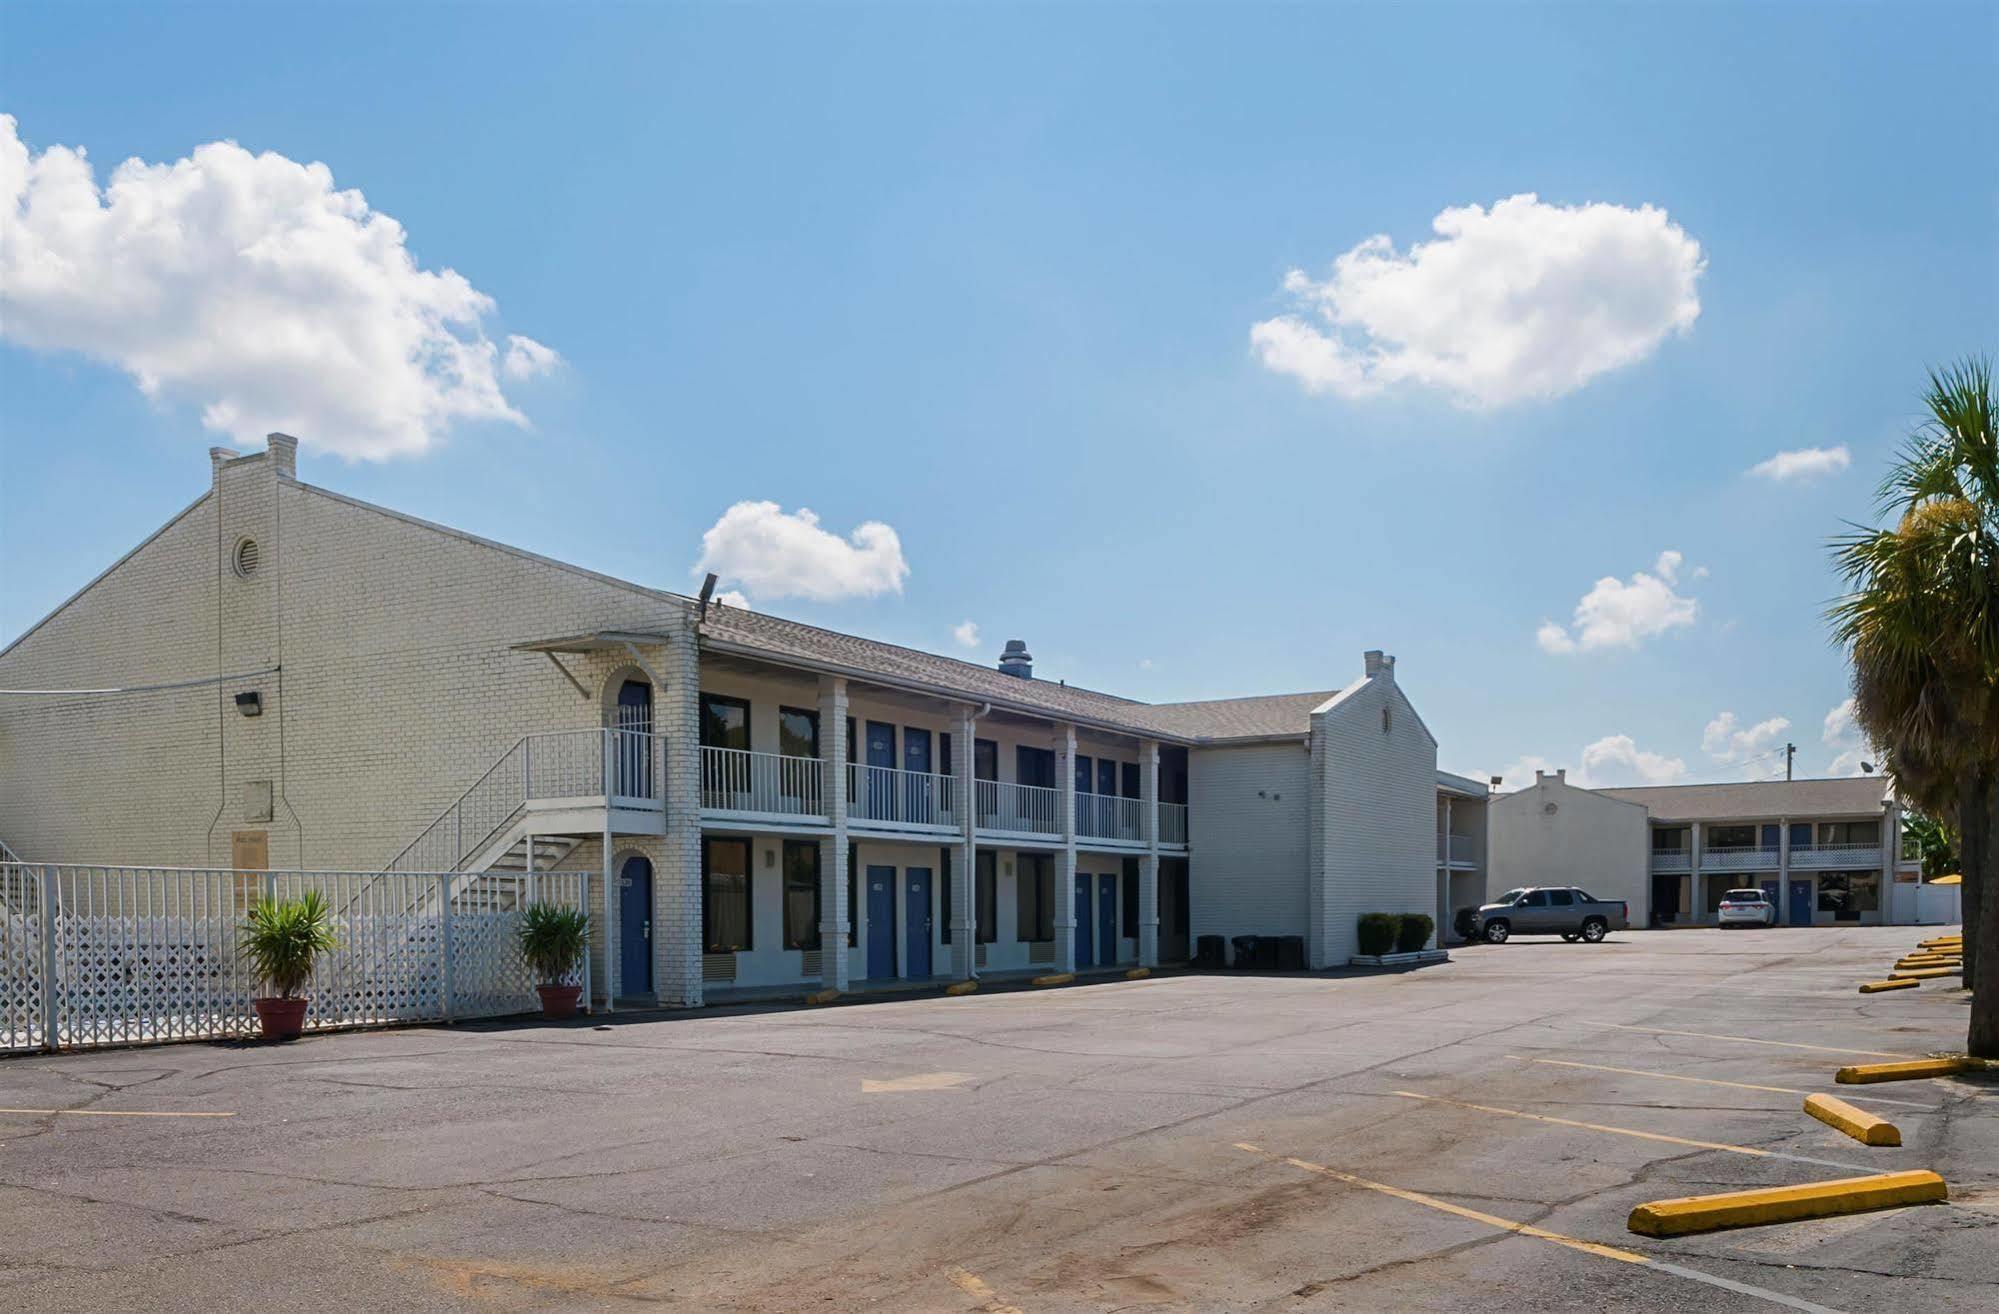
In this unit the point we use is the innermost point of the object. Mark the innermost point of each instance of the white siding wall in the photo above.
(1249, 853)
(1378, 791)
(1600, 844)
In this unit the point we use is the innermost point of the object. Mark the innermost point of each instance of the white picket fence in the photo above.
(132, 955)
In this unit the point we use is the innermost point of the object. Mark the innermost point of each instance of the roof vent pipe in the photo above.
(1016, 660)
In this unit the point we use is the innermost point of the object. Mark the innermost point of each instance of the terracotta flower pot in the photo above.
(281, 1019)
(559, 1000)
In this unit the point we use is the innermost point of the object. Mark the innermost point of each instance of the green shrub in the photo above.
(1413, 932)
(283, 939)
(553, 939)
(1376, 932)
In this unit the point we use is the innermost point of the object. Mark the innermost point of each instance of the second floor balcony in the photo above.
(1834, 857)
(738, 783)
(1747, 857)
(1672, 860)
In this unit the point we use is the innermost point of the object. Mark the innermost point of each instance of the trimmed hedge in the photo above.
(1413, 932)
(1376, 932)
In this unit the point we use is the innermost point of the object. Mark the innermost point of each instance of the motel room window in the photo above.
(1733, 837)
(725, 896)
(1034, 766)
(797, 732)
(725, 722)
(1847, 894)
(1669, 839)
(801, 894)
(944, 891)
(1035, 897)
(987, 869)
(1850, 832)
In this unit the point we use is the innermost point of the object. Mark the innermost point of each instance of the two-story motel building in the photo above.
(302, 680)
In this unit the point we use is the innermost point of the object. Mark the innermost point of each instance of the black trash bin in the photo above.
(1208, 951)
(1291, 953)
(1466, 923)
(1248, 950)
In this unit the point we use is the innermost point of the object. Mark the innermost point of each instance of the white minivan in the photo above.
(1747, 908)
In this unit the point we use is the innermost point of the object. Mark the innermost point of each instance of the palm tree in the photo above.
(1921, 627)
(1933, 844)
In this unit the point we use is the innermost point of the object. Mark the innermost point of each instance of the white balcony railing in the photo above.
(1172, 823)
(1672, 860)
(1748, 858)
(1029, 809)
(892, 797)
(1457, 849)
(564, 764)
(1833, 857)
(768, 784)
(1107, 816)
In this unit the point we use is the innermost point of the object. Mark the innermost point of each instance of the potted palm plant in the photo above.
(554, 939)
(283, 940)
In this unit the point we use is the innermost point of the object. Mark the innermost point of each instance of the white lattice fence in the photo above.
(151, 954)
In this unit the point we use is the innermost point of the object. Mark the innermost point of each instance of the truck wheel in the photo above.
(1593, 930)
(1496, 932)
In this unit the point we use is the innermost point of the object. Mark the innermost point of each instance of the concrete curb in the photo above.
(1861, 1125)
(1785, 1204)
(1862, 1074)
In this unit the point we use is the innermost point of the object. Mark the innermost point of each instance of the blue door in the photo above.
(1801, 904)
(1086, 939)
(1107, 922)
(881, 923)
(880, 788)
(635, 927)
(916, 760)
(916, 920)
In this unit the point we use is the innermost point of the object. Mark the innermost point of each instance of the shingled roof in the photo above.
(733, 628)
(1802, 799)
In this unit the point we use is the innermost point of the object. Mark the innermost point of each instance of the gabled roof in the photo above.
(1266, 716)
(1802, 799)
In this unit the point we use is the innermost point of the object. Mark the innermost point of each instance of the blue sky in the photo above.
(988, 275)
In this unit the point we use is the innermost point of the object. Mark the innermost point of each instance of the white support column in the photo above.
(1444, 874)
(613, 975)
(1148, 866)
(834, 964)
(1065, 858)
(1693, 909)
(965, 867)
(677, 934)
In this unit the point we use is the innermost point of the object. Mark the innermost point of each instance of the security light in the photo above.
(250, 704)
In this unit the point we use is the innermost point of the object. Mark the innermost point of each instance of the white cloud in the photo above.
(1841, 731)
(1727, 740)
(734, 598)
(775, 554)
(1804, 463)
(1519, 774)
(1617, 614)
(966, 634)
(526, 358)
(1617, 760)
(249, 286)
(1525, 300)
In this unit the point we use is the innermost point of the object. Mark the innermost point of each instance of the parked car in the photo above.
(1747, 908)
(1560, 910)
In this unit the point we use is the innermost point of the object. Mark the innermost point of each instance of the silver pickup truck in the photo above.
(1560, 910)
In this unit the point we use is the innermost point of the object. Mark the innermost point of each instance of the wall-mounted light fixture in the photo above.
(250, 704)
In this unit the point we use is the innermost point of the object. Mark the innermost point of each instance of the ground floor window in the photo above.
(1847, 894)
(801, 894)
(987, 869)
(725, 896)
(1035, 897)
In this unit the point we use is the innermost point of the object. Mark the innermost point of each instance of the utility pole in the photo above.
(1790, 752)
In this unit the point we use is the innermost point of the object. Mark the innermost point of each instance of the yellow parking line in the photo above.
(1751, 1040)
(1595, 1126)
(1432, 1202)
(114, 1113)
(1709, 1081)
(1631, 1257)
(975, 1287)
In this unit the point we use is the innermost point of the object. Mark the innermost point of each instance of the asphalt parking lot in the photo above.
(1198, 1143)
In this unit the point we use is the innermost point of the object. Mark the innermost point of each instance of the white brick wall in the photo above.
(1247, 862)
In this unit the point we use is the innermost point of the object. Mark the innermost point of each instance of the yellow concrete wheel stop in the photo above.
(1055, 979)
(961, 987)
(1876, 987)
(1862, 1074)
(1861, 1125)
(1785, 1204)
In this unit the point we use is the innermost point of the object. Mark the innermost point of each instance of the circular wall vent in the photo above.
(248, 557)
(1548, 808)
